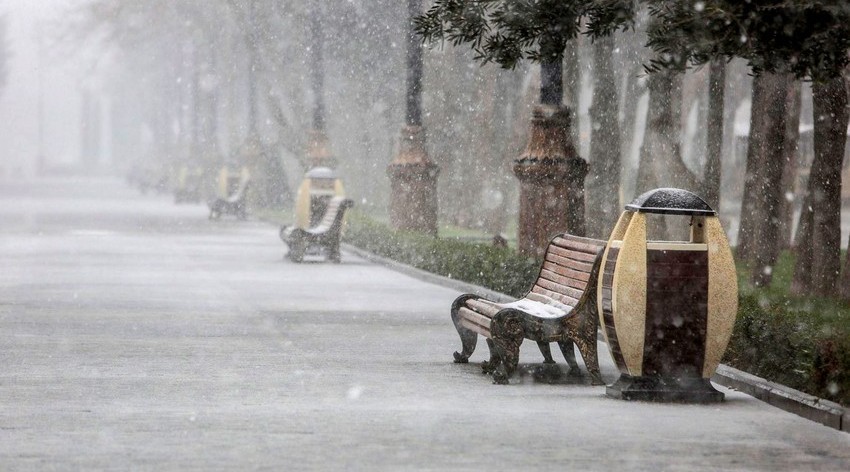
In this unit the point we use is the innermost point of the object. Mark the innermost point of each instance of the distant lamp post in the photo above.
(251, 148)
(413, 176)
(321, 181)
(550, 172)
(265, 166)
(212, 157)
(318, 146)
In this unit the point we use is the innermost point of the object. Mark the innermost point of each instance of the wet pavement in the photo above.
(137, 335)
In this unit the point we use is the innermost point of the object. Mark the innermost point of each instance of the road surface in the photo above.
(137, 335)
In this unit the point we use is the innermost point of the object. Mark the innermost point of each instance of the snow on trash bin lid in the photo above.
(670, 201)
(321, 173)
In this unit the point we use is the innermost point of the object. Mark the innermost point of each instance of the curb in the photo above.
(802, 404)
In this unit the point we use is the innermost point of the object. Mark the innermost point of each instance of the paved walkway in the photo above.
(137, 335)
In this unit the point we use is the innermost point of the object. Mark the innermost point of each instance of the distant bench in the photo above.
(560, 307)
(235, 204)
(325, 235)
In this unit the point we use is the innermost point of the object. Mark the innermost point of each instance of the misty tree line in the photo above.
(181, 67)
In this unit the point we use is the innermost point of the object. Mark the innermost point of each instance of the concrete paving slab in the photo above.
(138, 335)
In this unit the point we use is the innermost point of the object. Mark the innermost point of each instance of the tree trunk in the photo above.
(413, 115)
(572, 85)
(765, 133)
(413, 175)
(845, 276)
(631, 76)
(714, 139)
(660, 160)
(317, 69)
(830, 137)
(801, 283)
(603, 180)
(550, 172)
(790, 155)
(766, 190)
(552, 83)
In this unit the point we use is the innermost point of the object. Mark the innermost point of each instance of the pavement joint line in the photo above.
(802, 404)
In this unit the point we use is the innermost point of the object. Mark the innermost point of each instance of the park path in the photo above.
(138, 335)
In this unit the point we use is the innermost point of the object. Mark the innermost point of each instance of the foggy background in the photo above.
(62, 76)
(106, 87)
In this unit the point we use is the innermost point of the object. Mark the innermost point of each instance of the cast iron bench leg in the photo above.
(489, 366)
(468, 338)
(568, 350)
(508, 334)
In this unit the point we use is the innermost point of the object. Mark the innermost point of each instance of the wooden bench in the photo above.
(235, 204)
(324, 235)
(560, 307)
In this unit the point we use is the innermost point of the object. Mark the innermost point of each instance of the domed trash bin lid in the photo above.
(671, 201)
(667, 308)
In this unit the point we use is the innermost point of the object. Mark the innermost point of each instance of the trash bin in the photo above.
(319, 186)
(230, 179)
(667, 308)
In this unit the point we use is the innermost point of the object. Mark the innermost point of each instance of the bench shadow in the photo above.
(551, 374)
(321, 260)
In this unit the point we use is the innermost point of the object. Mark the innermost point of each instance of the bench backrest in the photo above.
(332, 219)
(567, 268)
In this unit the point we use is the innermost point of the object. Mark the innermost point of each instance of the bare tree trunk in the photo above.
(831, 118)
(801, 283)
(508, 87)
(766, 191)
(572, 85)
(632, 89)
(413, 175)
(603, 178)
(790, 155)
(714, 139)
(752, 206)
(550, 172)
(660, 160)
(845, 276)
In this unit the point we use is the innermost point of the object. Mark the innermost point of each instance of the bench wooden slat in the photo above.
(475, 319)
(561, 280)
(485, 307)
(558, 288)
(566, 271)
(571, 263)
(578, 242)
(537, 297)
(572, 254)
(474, 327)
(330, 214)
(565, 299)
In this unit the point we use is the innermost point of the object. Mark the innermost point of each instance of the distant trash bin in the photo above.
(188, 184)
(230, 179)
(320, 184)
(667, 308)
